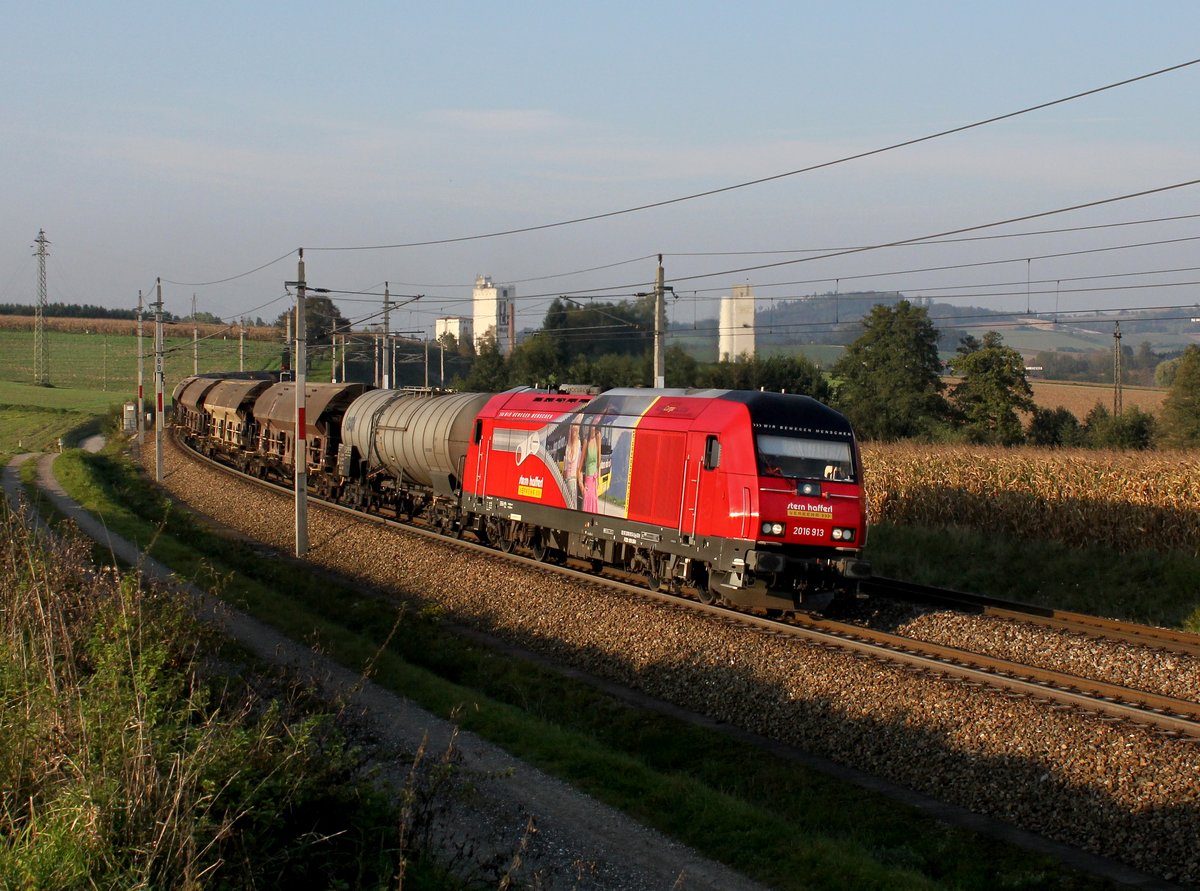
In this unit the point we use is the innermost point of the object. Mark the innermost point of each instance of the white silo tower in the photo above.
(737, 324)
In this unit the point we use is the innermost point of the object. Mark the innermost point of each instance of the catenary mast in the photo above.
(41, 354)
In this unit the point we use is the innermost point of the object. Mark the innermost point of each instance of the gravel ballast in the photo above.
(1110, 788)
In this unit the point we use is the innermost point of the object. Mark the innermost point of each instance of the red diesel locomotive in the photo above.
(751, 498)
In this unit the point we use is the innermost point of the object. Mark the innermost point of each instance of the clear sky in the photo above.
(195, 142)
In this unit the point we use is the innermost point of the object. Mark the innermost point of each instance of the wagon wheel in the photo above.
(404, 509)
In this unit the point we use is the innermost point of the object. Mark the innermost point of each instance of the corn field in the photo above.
(1124, 501)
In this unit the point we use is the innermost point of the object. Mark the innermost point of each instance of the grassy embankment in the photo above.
(126, 764)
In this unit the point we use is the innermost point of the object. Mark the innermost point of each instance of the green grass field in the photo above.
(93, 374)
(33, 418)
(108, 363)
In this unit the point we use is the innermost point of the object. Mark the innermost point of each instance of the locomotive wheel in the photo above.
(706, 595)
(537, 547)
(507, 539)
(492, 531)
(653, 572)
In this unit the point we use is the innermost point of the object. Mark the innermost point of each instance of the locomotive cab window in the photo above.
(809, 459)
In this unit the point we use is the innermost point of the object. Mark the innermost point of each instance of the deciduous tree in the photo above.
(992, 391)
(1181, 408)
(890, 377)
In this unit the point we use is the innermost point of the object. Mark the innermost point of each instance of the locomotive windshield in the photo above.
(809, 459)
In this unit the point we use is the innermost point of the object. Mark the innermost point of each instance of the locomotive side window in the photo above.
(478, 431)
(712, 453)
(810, 459)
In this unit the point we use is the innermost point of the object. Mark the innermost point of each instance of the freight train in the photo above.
(750, 498)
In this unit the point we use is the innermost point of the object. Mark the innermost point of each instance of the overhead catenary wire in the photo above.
(996, 319)
(957, 266)
(924, 238)
(629, 288)
(934, 242)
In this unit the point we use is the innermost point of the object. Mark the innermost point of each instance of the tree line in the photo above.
(890, 381)
(88, 311)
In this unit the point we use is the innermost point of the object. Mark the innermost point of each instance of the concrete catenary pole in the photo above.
(300, 456)
(158, 382)
(141, 411)
(660, 368)
(387, 347)
(195, 339)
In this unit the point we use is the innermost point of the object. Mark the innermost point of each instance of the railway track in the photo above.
(1167, 639)
(1170, 716)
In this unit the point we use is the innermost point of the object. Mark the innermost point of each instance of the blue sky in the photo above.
(197, 142)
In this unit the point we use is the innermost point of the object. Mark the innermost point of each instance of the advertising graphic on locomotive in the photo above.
(745, 497)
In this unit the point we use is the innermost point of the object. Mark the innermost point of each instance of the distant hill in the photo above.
(833, 318)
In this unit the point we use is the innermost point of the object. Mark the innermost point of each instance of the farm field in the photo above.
(1080, 398)
(1121, 501)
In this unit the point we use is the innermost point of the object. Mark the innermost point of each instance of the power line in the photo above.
(221, 281)
(628, 289)
(1065, 229)
(955, 266)
(924, 238)
(708, 193)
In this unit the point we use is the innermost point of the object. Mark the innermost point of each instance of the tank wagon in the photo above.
(750, 498)
(405, 451)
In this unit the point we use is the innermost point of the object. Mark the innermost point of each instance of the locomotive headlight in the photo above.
(842, 534)
(770, 528)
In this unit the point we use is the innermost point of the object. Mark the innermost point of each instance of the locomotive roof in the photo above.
(786, 414)
(789, 414)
